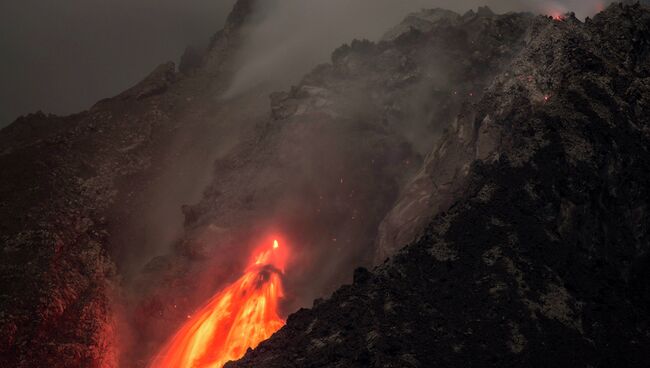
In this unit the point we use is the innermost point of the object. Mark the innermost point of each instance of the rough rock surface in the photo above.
(68, 183)
(423, 21)
(328, 164)
(542, 257)
(510, 151)
(470, 54)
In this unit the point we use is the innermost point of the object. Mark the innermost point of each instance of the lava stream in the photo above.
(238, 317)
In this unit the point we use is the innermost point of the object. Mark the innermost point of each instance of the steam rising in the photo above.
(296, 35)
(62, 56)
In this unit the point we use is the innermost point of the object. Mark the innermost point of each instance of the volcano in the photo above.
(469, 190)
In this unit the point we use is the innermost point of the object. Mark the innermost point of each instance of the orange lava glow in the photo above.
(237, 318)
(558, 17)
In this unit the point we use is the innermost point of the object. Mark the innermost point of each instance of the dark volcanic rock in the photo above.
(68, 186)
(542, 257)
(510, 151)
(329, 163)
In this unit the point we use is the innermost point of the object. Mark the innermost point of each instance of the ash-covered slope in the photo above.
(541, 258)
(532, 202)
(85, 197)
(73, 190)
(329, 163)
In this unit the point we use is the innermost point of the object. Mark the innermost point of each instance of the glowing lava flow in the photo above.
(240, 316)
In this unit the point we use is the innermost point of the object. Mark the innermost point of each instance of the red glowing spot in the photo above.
(557, 15)
(237, 318)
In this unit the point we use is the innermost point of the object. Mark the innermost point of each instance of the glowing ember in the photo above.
(240, 316)
(558, 16)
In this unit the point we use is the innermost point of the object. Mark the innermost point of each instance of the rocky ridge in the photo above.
(508, 150)
(541, 257)
(329, 163)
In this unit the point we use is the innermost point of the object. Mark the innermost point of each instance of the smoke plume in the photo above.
(296, 35)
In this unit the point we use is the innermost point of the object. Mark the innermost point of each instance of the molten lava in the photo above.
(237, 318)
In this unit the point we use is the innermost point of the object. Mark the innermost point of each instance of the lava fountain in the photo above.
(237, 318)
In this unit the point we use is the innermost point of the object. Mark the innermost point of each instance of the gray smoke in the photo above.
(62, 56)
(296, 35)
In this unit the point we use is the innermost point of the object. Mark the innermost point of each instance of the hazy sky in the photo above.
(296, 35)
(62, 56)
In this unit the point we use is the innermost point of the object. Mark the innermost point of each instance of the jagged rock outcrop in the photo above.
(541, 258)
(474, 50)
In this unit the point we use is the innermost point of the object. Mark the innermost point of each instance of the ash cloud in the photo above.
(295, 35)
(291, 37)
(61, 57)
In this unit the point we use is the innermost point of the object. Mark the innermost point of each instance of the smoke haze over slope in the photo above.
(61, 57)
(162, 192)
(295, 35)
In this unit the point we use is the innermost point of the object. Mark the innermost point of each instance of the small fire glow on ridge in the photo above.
(558, 17)
(556, 11)
(239, 317)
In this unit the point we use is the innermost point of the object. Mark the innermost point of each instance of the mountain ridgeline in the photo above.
(478, 184)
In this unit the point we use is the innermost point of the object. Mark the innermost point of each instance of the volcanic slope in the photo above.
(542, 257)
(513, 147)
(329, 163)
(73, 190)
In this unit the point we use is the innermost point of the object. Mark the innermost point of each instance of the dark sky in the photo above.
(62, 56)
